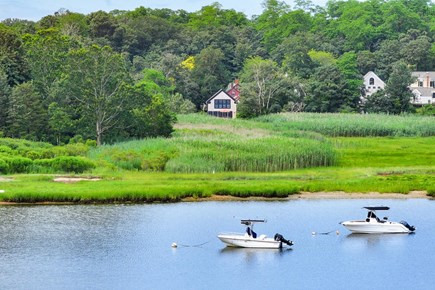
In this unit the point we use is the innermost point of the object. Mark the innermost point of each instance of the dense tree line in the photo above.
(123, 74)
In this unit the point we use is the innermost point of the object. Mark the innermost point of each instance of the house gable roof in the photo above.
(371, 74)
(218, 93)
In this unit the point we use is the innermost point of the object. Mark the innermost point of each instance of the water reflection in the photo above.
(376, 241)
(252, 255)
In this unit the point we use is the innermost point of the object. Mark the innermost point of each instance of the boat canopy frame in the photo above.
(376, 207)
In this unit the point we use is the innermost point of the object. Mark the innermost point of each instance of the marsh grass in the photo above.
(207, 144)
(354, 125)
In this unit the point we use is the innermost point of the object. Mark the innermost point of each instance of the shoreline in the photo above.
(317, 195)
(302, 195)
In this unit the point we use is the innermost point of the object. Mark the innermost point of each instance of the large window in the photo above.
(371, 81)
(222, 104)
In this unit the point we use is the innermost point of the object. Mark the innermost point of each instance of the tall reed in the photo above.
(354, 125)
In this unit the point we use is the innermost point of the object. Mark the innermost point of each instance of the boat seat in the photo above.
(262, 237)
(251, 233)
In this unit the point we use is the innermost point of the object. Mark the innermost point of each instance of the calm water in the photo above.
(129, 247)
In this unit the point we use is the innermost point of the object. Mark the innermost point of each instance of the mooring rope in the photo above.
(175, 245)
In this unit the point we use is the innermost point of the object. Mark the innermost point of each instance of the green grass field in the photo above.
(209, 156)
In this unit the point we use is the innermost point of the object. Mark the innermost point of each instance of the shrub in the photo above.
(72, 164)
(4, 167)
(17, 164)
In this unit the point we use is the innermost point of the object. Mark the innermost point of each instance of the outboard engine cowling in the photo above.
(409, 227)
(280, 238)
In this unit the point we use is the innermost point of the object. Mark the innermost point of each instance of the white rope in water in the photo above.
(175, 245)
(325, 233)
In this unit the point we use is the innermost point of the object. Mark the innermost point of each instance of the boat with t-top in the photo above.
(250, 239)
(373, 225)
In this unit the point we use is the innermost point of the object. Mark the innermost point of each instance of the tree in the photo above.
(325, 93)
(94, 77)
(12, 58)
(26, 116)
(397, 88)
(262, 84)
(59, 122)
(46, 53)
(148, 115)
(347, 64)
(209, 73)
(5, 92)
(268, 22)
(179, 105)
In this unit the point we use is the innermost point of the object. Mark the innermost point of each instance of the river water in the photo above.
(129, 246)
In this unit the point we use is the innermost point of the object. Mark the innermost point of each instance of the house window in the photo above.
(433, 95)
(432, 83)
(420, 83)
(372, 81)
(222, 104)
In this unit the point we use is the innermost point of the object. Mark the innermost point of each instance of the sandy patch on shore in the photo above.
(359, 195)
(75, 179)
(319, 195)
(5, 179)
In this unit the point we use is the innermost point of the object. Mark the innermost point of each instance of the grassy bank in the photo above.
(210, 156)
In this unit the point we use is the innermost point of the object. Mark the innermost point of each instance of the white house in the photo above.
(423, 88)
(222, 105)
(372, 84)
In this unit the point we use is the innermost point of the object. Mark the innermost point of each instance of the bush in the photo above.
(72, 164)
(4, 167)
(17, 164)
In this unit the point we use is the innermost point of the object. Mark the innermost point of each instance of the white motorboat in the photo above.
(250, 239)
(373, 225)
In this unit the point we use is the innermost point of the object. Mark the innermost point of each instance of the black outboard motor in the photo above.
(280, 238)
(411, 228)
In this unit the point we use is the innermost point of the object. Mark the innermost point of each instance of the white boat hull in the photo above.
(245, 241)
(363, 227)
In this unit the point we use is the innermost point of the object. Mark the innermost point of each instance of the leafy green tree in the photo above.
(94, 77)
(12, 58)
(262, 84)
(379, 102)
(293, 53)
(354, 25)
(326, 90)
(148, 115)
(60, 123)
(214, 15)
(46, 53)
(268, 23)
(209, 73)
(26, 116)
(397, 88)
(416, 48)
(179, 105)
(347, 64)
(5, 92)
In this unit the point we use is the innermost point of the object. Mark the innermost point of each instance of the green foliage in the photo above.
(16, 164)
(427, 110)
(71, 164)
(63, 164)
